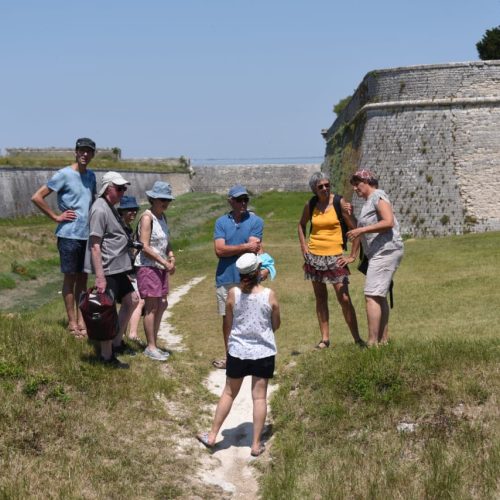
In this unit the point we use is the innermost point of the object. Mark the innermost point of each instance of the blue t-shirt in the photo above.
(234, 233)
(75, 191)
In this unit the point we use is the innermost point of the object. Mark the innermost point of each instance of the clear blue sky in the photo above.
(210, 78)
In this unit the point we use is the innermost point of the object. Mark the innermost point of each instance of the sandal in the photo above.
(77, 333)
(323, 344)
(203, 439)
(219, 363)
(261, 450)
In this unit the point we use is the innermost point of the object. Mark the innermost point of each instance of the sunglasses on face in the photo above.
(121, 189)
(163, 200)
(324, 186)
(242, 199)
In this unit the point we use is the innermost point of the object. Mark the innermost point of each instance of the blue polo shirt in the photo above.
(74, 191)
(234, 233)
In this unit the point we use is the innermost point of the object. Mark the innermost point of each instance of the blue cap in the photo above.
(237, 190)
(128, 202)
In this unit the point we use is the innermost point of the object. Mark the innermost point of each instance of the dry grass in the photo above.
(70, 428)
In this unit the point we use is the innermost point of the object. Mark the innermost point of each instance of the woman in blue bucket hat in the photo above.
(128, 209)
(154, 263)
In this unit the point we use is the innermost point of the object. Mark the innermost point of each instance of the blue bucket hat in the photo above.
(128, 202)
(161, 190)
(237, 190)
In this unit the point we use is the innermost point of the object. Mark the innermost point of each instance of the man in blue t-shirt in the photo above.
(75, 186)
(237, 232)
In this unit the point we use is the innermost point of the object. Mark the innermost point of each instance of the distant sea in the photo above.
(295, 160)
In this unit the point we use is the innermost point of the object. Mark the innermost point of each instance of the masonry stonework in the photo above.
(432, 134)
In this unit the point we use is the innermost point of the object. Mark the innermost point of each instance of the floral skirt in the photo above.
(325, 269)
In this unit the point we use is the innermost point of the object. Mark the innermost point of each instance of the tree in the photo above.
(489, 46)
(339, 107)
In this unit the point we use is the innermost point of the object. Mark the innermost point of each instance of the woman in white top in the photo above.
(252, 317)
(154, 263)
(382, 245)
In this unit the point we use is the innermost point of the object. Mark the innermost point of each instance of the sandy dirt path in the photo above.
(229, 466)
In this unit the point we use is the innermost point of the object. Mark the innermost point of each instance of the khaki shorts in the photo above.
(221, 293)
(381, 269)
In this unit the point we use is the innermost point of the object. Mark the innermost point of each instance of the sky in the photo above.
(210, 79)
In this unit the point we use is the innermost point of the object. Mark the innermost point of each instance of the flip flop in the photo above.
(219, 363)
(203, 439)
(261, 450)
(323, 344)
(77, 333)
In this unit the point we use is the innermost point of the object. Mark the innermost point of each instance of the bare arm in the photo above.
(227, 322)
(301, 229)
(145, 239)
(275, 311)
(39, 200)
(222, 250)
(386, 222)
(95, 252)
(351, 224)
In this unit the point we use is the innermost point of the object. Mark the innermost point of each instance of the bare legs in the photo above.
(129, 303)
(154, 309)
(73, 285)
(133, 334)
(259, 397)
(344, 299)
(377, 312)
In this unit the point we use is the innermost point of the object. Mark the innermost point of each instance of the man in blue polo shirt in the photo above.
(237, 232)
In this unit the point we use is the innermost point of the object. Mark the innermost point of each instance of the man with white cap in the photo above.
(237, 232)
(75, 186)
(108, 258)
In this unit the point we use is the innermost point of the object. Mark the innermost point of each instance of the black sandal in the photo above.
(323, 344)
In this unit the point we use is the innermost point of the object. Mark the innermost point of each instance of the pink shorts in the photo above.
(152, 282)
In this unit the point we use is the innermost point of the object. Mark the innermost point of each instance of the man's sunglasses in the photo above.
(121, 189)
(242, 199)
(324, 186)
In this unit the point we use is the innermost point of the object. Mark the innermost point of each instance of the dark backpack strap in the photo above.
(338, 209)
(312, 204)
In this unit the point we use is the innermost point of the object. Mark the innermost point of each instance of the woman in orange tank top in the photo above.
(324, 261)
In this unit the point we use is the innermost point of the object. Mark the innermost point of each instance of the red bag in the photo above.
(99, 313)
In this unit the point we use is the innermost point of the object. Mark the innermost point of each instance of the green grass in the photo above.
(99, 163)
(70, 428)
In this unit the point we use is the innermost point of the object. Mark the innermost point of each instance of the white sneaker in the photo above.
(156, 354)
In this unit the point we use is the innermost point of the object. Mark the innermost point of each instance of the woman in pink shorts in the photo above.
(154, 263)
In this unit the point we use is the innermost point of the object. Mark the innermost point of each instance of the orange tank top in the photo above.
(326, 234)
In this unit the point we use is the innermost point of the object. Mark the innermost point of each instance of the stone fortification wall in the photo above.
(17, 186)
(431, 133)
(256, 178)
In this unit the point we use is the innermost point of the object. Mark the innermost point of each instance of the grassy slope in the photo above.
(71, 427)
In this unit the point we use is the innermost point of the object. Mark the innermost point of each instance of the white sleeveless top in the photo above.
(158, 241)
(252, 335)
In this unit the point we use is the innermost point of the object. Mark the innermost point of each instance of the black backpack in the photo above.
(338, 210)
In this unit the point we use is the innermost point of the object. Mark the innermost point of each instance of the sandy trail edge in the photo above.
(229, 466)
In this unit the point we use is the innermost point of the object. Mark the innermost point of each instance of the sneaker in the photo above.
(157, 355)
(113, 362)
(165, 353)
(123, 348)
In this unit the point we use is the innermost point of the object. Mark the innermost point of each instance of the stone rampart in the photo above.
(17, 185)
(431, 133)
(256, 178)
